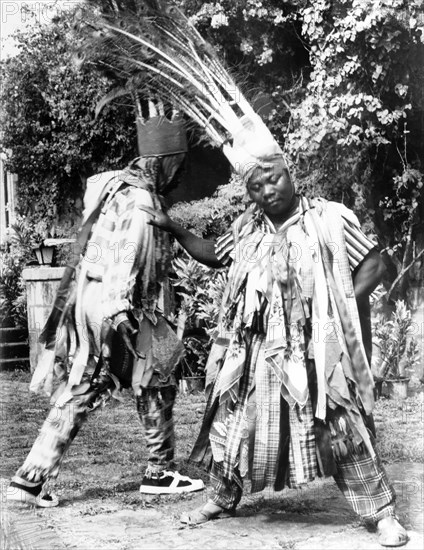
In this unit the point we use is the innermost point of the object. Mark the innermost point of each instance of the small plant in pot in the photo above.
(397, 350)
(189, 277)
(199, 290)
(193, 364)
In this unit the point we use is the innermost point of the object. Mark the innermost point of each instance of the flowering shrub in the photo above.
(398, 349)
(49, 136)
(15, 254)
(211, 216)
(346, 83)
(199, 291)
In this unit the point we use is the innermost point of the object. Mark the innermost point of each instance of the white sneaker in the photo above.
(25, 492)
(167, 483)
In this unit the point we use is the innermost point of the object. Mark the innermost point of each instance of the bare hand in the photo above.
(158, 218)
(127, 333)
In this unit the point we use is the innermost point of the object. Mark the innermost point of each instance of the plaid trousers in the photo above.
(362, 480)
(364, 483)
(62, 424)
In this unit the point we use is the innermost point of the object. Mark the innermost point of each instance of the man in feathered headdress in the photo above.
(289, 387)
(112, 332)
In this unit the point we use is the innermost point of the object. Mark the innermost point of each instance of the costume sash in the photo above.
(360, 368)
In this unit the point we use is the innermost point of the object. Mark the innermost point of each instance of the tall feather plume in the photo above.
(150, 47)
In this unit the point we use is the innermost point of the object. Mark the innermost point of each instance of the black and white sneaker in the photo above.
(25, 492)
(168, 483)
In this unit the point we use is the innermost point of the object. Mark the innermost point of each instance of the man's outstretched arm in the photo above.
(200, 249)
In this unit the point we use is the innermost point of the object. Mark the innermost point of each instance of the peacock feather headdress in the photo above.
(151, 48)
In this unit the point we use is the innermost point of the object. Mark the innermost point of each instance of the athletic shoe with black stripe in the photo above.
(168, 483)
(25, 492)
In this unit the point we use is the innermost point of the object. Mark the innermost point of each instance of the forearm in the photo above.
(200, 249)
(366, 278)
(368, 275)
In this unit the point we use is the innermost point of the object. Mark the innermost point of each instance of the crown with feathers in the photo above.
(162, 133)
(150, 48)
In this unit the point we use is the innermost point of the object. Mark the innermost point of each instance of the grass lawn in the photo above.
(108, 457)
(400, 429)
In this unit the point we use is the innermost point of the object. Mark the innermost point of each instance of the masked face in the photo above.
(172, 169)
(271, 188)
(162, 173)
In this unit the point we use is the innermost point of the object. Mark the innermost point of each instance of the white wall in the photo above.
(8, 183)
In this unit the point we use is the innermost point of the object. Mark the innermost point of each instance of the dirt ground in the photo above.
(101, 507)
(317, 517)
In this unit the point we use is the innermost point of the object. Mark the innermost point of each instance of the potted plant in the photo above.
(397, 350)
(189, 277)
(12, 288)
(199, 290)
(193, 364)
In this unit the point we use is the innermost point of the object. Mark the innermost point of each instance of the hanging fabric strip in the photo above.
(360, 368)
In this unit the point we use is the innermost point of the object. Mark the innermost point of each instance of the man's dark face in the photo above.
(272, 190)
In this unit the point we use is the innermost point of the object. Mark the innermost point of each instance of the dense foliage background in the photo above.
(48, 130)
(346, 80)
(340, 83)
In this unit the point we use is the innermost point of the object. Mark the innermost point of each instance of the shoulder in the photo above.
(98, 187)
(333, 208)
(247, 215)
(100, 180)
(127, 200)
(225, 244)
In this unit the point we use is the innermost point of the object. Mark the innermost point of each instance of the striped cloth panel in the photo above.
(357, 243)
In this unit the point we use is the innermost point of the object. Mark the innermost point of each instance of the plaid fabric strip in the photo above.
(302, 457)
(121, 246)
(364, 483)
(267, 429)
(226, 493)
(229, 432)
(236, 421)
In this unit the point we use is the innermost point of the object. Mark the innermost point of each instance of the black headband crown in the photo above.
(159, 136)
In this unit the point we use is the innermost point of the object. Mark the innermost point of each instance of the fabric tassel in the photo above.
(42, 372)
